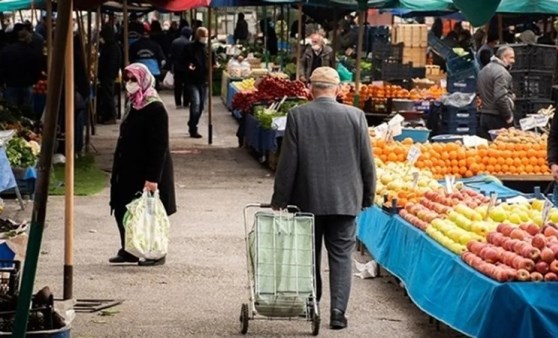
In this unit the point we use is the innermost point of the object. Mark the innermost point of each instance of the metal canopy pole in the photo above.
(359, 56)
(125, 44)
(210, 80)
(49, 34)
(69, 168)
(43, 168)
(298, 47)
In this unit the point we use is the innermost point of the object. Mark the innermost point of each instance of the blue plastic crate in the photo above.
(458, 65)
(462, 85)
(458, 129)
(417, 135)
(440, 47)
(457, 116)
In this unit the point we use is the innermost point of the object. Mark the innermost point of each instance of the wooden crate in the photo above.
(412, 35)
(416, 55)
(433, 70)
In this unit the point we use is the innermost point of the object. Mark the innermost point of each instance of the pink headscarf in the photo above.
(147, 93)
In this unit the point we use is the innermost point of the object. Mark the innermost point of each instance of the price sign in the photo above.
(381, 130)
(416, 176)
(540, 120)
(396, 121)
(395, 130)
(493, 199)
(546, 210)
(473, 141)
(413, 155)
(450, 181)
(527, 123)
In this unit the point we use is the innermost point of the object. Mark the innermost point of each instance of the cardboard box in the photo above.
(412, 35)
(416, 55)
(432, 70)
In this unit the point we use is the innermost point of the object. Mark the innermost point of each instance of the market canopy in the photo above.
(479, 12)
(528, 7)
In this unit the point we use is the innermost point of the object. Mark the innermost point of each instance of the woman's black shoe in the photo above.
(123, 257)
(152, 262)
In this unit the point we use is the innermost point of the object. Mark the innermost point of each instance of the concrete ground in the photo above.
(200, 289)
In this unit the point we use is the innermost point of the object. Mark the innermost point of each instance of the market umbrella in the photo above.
(478, 12)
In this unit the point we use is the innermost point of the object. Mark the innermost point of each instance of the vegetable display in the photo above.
(21, 153)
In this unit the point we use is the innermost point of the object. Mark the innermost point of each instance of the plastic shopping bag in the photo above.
(147, 226)
(168, 81)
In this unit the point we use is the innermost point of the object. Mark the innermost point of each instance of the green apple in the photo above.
(554, 215)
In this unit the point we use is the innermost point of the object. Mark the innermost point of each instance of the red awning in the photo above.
(169, 5)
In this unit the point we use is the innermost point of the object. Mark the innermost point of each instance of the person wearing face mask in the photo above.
(326, 168)
(316, 55)
(196, 77)
(142, 158)
(494, 85)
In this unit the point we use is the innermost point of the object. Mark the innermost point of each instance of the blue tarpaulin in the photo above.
(7, 179)
(442, 285)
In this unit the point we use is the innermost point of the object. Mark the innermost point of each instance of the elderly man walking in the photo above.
(318, 54)
(326, 168)
(495, 90)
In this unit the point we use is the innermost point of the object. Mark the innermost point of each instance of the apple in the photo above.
(530, 252)
(508, 258)
(533, 229)
(542, 267)
(475, 246)
(549, 230)
(494, 237)
(501, 275)
(508, 244)
(551, 277)
(490, 255)
(523, 275)
(554, 248)
(518, 246)
(536, 277)
(518, 234)
(539, 241)
(505, 229)
(526, 264)
(547, 255)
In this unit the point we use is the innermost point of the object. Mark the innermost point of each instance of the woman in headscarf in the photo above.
(142, 158)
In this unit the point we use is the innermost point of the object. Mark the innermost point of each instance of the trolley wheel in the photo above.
(244, 318)
(315, 319)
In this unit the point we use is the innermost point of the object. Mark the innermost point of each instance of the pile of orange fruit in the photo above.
(385, 91)
(454, 159)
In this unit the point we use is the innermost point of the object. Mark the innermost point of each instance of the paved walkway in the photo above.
(199, 291)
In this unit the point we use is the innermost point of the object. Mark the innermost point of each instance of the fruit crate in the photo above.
(440, 47)
(527, 106)
(458, 65)
(412, 35)
(416, 55)
(543, 58)
(395, 71)
(454, 116)
(532, 84)
(463, 129)
(384, 51)
(462, 85)
(9, 277)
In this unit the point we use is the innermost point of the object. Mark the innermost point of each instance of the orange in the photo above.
(490, 168)
(501, 160)
(483, 153)
(469, 173)
(407, 141)
(492, 160)
(392, 157)
(509, 161)
(401, 157)
(529, 168)
(497, 168)
(505, 168)
(463, 163)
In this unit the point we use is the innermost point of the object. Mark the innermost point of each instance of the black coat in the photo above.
(195, 53)
(20, 65)
(142, 154)
(552, 147)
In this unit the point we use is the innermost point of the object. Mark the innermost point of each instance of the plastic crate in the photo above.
(543, 58)
(383, 51)
(440, 47)
(417, 135)
(532, 84)
(459, 64)
(522, 56)
(417, 72)
(458, 129)
(524, 107)
(462, 85)
(454, 116)
(395, 71)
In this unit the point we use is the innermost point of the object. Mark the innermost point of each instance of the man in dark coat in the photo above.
(267, 28)
(20, 69)
(179, 66)
(241, 30)
(318, 54)
(326, 168)
(110, 61)
(148, 52)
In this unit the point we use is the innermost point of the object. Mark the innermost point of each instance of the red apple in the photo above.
(530, 252)
(523, 275)
(526, 264)
(551, 277)
(508, 244)
(542, 267)
(518, 246)
(501, 275)
(518, 234)
(475, 246)
(490, 255)
(533, 229)
(549, 230)
(536, 277)
(554, 266)
(504, 228)
(539, 241)
(547, 255)
(496, 238)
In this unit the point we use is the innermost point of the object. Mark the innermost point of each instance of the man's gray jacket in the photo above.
(495, 89)
(326, 165)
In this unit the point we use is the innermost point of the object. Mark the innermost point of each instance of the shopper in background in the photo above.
(196, 79)
(495, 90)
(179, 67)
(156, 34)
(485, 53)
(142, 158)
(147, 52)
(110, 61)
(316, 55)
(241, 30)
(326, 168)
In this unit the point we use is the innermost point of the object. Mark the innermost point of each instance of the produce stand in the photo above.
(446, 288)
(525, 183)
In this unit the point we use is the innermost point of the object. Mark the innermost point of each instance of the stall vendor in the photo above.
(316, 55)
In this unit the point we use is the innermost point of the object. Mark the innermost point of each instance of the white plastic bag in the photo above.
(168, 81)
(147, 226)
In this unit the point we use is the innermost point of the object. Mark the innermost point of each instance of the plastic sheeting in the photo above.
(7, 179)
(442, 285)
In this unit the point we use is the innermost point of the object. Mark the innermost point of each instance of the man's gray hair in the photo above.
(323, 85)
(502, 50)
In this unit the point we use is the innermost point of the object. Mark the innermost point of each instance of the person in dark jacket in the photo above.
(179, 66)
(241, 30)
(20, 69)
(142, 158)
(158, 36)
(195, 59)
(271, 36)
(495, 91)
(110, 60)
(148, 52)
(318, 54)
(486, 51)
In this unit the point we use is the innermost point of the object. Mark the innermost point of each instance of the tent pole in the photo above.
(210, 80)
(298, 37)
(49, 34)
(90, 111)
(20, 16)
(69, 168)
(125, 43)
(43, 167)
(98, 24)
(361, 16)
(500, 29)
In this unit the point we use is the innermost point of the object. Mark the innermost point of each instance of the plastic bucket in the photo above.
(418, 135)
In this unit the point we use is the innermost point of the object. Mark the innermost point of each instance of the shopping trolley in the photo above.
(281, 267)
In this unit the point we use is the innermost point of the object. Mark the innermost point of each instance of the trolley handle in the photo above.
(290, 208)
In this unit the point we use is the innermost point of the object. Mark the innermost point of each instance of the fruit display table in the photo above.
(445, 287)
(260, 140)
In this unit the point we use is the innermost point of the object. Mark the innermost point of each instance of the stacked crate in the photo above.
(533, 78)
(459, 121)
(415, 40)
